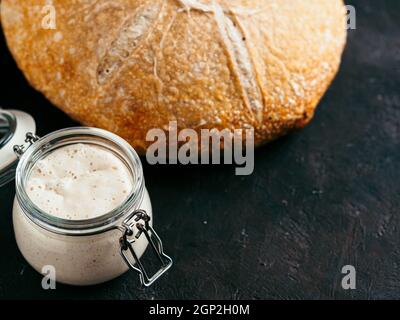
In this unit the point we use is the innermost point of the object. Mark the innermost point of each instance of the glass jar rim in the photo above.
(69, 136)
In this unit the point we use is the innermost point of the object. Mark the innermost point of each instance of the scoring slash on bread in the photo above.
(132, 65)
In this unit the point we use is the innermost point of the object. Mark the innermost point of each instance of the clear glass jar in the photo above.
(86, 252)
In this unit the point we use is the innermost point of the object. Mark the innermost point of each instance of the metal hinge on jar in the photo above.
(140, 219)
(7, 174)
(30, 139)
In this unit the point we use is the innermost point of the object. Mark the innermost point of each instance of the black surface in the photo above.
(319, 199)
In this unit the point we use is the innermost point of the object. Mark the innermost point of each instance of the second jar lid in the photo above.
(14, 125)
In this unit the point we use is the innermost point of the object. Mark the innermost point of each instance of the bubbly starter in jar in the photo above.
(77, 182)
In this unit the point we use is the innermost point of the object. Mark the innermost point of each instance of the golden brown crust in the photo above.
(129, 66)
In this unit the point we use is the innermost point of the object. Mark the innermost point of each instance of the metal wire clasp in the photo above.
(140, 219)
(29, 138)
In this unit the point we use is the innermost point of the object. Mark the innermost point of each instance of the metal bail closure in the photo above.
(140, 219)
(30, 139)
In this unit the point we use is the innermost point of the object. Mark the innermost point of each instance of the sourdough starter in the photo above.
(77, 182)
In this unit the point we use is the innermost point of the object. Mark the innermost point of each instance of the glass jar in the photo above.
(92, 251)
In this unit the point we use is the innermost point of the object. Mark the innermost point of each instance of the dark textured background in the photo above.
(319, 199)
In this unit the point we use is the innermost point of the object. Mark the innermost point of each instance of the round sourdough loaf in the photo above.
(132, 65)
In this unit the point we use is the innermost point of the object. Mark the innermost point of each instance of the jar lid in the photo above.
(14, 125)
